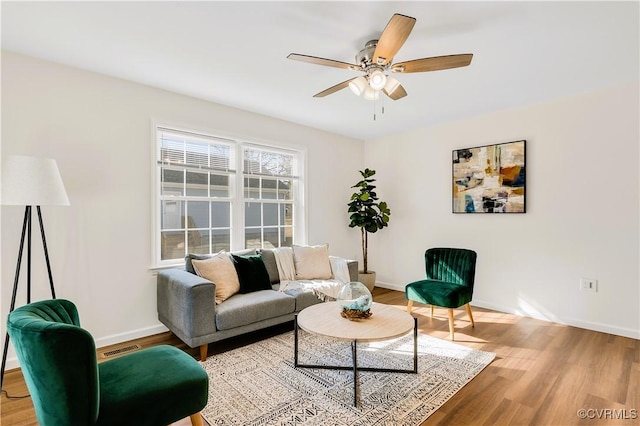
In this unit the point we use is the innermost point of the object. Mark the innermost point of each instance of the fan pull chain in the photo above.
(374, 110)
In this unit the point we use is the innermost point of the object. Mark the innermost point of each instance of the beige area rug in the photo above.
(258, 384)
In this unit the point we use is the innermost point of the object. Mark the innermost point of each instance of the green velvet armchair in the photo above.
(154, 387)
(449, 283)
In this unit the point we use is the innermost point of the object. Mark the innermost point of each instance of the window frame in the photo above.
(237, 191)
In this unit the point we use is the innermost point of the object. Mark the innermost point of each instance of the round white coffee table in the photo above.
(385, 323)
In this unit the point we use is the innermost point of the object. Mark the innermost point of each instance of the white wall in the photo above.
(582, 210)
(99, 130)
(582, 198)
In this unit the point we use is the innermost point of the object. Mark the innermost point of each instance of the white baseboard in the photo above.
(605, 328)
(573, 322)
(130, 335)
(390, 286)
(587, 325)
(12, 362)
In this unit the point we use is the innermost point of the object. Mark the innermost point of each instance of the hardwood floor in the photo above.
(543, 374)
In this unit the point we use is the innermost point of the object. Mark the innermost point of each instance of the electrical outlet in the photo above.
(589, 284)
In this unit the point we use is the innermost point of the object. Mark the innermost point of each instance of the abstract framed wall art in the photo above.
(490, 179)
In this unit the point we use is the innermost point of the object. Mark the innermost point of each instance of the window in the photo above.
(269, 181)
(203, 205)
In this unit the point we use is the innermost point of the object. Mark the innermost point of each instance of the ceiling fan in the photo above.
(375, 60)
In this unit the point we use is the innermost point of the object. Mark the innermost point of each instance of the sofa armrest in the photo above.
(186, 304)
(353, 269)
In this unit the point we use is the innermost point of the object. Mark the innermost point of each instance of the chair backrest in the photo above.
(451, 264)
(58, 360)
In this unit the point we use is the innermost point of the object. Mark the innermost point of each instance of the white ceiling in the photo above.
(234, 53)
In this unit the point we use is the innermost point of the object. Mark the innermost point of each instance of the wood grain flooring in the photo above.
(543, 374)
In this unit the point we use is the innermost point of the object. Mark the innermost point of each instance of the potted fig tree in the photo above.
(370, 215)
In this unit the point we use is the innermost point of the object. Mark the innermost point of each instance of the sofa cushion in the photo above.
(188, 259)
(312, 262)
(304, 298)
(269, 258)
(244, 309)
(244, 252)
(252, 273)
(220, 270)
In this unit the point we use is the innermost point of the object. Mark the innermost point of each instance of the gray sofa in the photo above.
(186, 304)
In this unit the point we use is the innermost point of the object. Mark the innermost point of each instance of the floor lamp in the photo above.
(29, 182)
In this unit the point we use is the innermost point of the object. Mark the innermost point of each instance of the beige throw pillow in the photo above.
(220, 270)
(312, 262)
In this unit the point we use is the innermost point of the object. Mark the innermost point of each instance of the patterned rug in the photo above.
(258, 385)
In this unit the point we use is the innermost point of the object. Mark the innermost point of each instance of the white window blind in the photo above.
(189, 150)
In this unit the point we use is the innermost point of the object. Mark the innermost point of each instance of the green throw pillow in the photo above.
(252, 273)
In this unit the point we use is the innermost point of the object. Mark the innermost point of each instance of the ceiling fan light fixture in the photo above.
(375, 60)
(358, 85)
(391, 85)
(377, 79)
(371, 94)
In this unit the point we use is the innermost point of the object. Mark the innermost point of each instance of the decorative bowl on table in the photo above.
(355, 300)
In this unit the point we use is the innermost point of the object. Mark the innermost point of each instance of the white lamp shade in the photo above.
(32, 181)
(377, 80)
(370, 94)
(358, 85)
(391, 85)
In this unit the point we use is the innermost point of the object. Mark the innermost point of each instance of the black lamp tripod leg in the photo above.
(28, 257)
(26, 223)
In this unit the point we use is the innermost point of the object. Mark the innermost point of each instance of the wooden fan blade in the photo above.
(398, 93)
(392, 38)
(433, 64)
(333, 89)
(323, 61)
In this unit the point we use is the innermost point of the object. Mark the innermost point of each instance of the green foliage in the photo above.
(366, 212)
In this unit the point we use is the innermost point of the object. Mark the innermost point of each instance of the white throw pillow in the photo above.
(312, 262)
(340, 269)
(221, 271)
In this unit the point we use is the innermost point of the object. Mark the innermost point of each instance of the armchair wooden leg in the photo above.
(196, 419)
(468, 307)
(409, 306)
(450, 311)
(203, 352)
(431, 311)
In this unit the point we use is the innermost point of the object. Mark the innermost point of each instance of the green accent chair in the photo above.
(449, 284)
(154, 387)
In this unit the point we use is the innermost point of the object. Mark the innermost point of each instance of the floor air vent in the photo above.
(120, 351)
